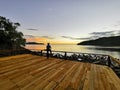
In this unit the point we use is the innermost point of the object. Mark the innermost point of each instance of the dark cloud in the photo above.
(87, 38)
(102, 34)
(68, 37)
(118, 33)
(32, 36)
(29, 36)
(96, 35)
(72, 38)
(48, 37)
(32, 29)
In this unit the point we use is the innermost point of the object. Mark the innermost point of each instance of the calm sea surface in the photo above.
(78, 48)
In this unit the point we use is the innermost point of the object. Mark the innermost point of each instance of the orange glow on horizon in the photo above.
(36, 39)
(45, 41)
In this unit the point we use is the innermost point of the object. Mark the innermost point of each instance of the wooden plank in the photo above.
(66, 80)
(83, 77)
(47, 67)
(87, 82)
(39, 83)
(104, 79)
(95, 69)
(40, 79)
(14, 57)
(113, 78)
(22, 83)
(51, 86)
(100, 83)
(76, 78)
(17, 66)
(39, 73)
(6, 84)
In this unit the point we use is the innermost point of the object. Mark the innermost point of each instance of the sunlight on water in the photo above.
(76, 48)
(35, 47)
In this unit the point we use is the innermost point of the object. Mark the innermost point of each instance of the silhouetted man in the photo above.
(48, 48)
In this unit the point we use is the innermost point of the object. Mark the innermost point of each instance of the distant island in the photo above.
(34, 43)
(104, 41)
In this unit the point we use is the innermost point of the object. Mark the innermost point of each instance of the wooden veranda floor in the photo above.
(30, 72)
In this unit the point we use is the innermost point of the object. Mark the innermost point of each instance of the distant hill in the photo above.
(34, 43)
(104, 41)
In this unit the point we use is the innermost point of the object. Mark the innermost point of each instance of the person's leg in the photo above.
(47, 54)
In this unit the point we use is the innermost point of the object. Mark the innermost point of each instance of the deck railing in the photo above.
(83, 57)
(101, 59)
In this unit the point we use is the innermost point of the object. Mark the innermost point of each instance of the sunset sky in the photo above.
(63, 21)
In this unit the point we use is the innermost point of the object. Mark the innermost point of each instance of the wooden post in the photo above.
(109, 61)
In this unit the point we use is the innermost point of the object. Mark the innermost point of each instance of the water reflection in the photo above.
(114, 51)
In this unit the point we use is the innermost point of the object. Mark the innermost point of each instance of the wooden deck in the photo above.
(30, 72)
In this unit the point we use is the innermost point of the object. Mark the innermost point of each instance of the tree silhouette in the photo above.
(10, 38)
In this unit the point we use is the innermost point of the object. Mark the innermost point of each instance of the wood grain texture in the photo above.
(30, 72)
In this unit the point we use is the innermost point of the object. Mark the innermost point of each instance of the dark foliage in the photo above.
(10, 38)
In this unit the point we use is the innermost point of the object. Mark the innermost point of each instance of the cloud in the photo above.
(29, 36)
(69, 37)
(117, 23)
(103, 34)
(48, 37)
(72, 38)
(117, 33)
(32, 29)
(96, 35)
(32, 38)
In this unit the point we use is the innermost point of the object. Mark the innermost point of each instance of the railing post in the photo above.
(109, 61)
(65, 56)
